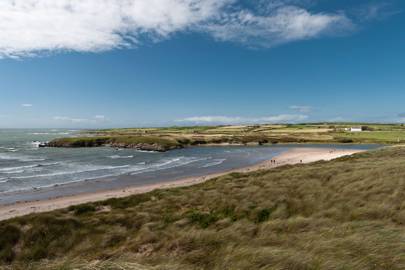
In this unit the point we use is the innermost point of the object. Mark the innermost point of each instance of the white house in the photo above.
(356, 129)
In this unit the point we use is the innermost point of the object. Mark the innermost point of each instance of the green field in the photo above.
(376, 136)
(345, 214)
(177, 137)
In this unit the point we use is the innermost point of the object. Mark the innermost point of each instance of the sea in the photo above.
(27, 169)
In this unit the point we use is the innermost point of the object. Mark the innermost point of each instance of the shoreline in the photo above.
(290, 157)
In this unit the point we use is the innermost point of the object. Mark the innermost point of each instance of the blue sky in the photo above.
(171, 62)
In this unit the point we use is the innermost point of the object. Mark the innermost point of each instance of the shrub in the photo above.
(9, 236)
(345, 140)
(204, 220)
(263, 215)
(82, 209)
(127, 202)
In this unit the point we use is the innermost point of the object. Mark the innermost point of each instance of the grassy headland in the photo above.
(149, 143)
(345, 214)
(163, 139)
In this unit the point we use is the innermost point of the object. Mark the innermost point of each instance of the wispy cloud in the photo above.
(26, 105)
(376, 11)
(338, 119)
(400, 118)
(282, 118)
(282, 25)
(94, 120)
(301, 109)
(32, 27)
(100, 117)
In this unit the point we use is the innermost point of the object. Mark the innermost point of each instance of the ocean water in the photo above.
(24, 167)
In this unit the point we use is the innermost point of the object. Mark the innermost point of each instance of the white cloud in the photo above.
(376, 11)
(301, 109)
(31, 27)
(338, 119)
(26, 105)
(70, 119)
(282, 25)
(100, 117)
(282, 118)
(212, 119)
(95, 120)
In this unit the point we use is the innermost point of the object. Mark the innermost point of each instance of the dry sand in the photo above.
(293, 156)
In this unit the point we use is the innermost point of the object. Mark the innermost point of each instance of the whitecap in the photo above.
(58, 183)
(215, 162)
(120, 157)
(17, 168)
(3, 179)
(20, 158)
(28, 159)
(72, 172)
(14, 172)
(170, 163)
(40, 133)
(147, 151)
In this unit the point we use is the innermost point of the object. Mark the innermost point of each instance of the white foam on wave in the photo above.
(54, 184)
(96, 168)
(20, 169)
(7, 169)
(167, 164)
(29, 159)
(120, 157)
(14, 172)
(40, 133)
(54, 132)
(147, 151)
(9, 149)
(215, 162)
(3, 179)
(5, 156)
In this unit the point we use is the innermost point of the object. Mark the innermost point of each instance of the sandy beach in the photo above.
(293, 156)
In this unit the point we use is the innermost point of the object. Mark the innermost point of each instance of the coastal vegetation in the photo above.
(164, 139)
(148, 143)
(348, 213)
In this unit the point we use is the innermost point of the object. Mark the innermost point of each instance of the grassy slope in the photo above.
(344, 214)
(134, 141)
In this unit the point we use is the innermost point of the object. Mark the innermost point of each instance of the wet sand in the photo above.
(293, 156)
